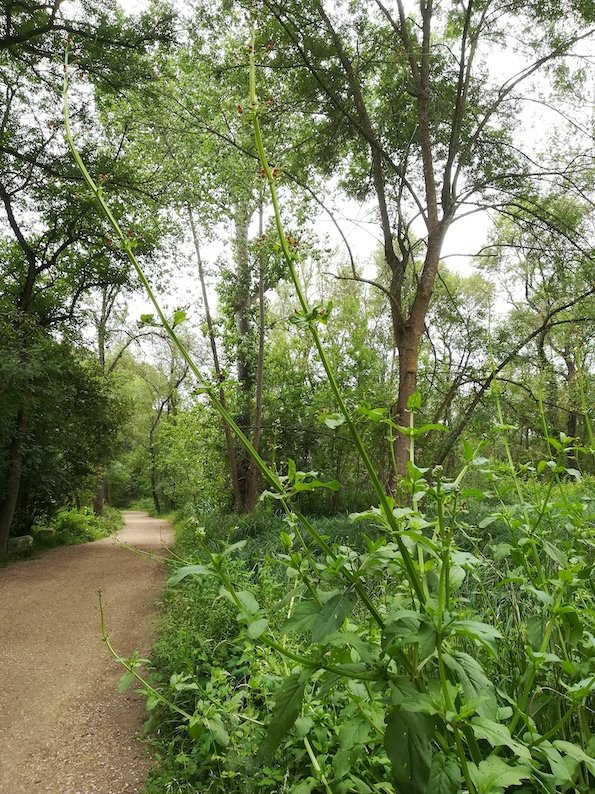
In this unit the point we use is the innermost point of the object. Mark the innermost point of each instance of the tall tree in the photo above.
(55, 244)
(401, 103)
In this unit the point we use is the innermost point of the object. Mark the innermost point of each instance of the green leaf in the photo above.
(249, 603)
(179, 316)
(535, 631)
(373, 414)
(288, 703)
(575, 473)
(303, 725)
(188, 570)
(557, 764)
(414, 401)
(333, 420)
(218, 731)
(354, 732)
(445, 775)
(408, 744)
(498, 735)
(126, 681)
(257, 627)
(483, 633)
(196, 728)
(302, 617)
(576, 752)
(494, 776)
(331, 616)
(475, 683)
(148, 319)
(234, 547)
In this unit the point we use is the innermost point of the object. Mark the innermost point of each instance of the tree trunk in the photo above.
(99, 498)
(408, 348)
(231, 452)
(154, 493)
(13, 480)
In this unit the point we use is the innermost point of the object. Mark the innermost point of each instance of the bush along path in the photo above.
(64, 726)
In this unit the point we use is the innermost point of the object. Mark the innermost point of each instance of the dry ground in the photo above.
(64, 728)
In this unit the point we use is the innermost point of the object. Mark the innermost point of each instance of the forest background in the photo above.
(450, 349)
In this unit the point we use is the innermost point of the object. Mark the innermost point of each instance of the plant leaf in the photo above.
(493, 775)
(331, 616)
(445, 775)
(188, 570)
(498, 735)
(408, 744)
(288, 704)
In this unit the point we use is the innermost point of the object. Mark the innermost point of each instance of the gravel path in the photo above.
(64, 728)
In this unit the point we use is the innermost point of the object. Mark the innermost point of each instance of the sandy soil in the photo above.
(64, 727)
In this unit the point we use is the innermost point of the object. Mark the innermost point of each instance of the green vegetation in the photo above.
(71, 526)
(382, 467)
(516, 648)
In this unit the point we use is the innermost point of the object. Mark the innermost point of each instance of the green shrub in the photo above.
(71, 526)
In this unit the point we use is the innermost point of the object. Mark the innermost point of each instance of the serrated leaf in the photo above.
(331, 616)
(125, 682)
(483, 633)
(179, 317)
(234, 547)
(494, 776)
(557, 763)
(576, 752)
(445, 775)
(414, 401)
(498, 735)
(475, 683)
(188, 570)
(288, 703)
(408, 744)
(302, 617)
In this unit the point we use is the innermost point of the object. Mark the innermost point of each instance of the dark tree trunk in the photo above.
(13, 480)
(99, 499)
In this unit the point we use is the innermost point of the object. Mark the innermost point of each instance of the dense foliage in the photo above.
(382, 465)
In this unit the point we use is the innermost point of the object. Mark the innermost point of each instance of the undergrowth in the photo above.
(71, 526)
(210, 667)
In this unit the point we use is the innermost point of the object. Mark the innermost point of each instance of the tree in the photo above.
(401, 104)
(54, 244)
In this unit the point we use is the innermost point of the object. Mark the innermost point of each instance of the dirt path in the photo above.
(64, 728)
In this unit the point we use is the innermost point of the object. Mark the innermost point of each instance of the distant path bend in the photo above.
(64, 728)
